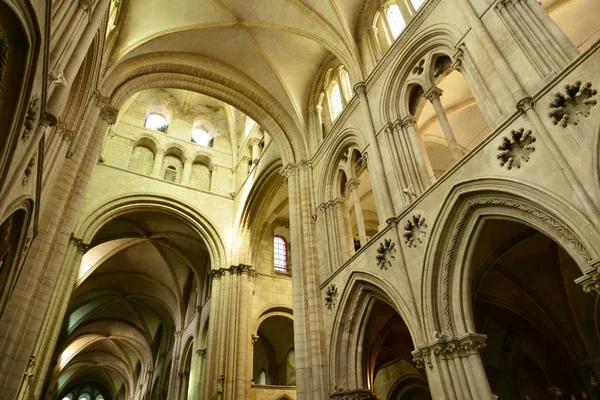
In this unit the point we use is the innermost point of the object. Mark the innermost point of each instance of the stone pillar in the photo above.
(105, 144)
(27, 311)
(454, 368)
(187, 171)
(421, 170)
(242, 377)
(381, 189)
(318, 110)
(212, 342)
(353, 185)
(323, 233)
(344, 232)
(174, 380)
(254, 144)
(378, 52)
(433, 95)
(60, 95)
(309, 327)
(344, 95)
(158, 160)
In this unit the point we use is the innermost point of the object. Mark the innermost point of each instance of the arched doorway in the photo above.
(542, 329)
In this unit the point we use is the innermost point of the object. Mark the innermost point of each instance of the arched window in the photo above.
(156, 122)
(170, 173)
(262, 377)
(280, 254)
(201, 137)
(417, 3)
(395, 20)
(336, 100)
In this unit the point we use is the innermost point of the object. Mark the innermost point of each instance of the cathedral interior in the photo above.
(299, 199)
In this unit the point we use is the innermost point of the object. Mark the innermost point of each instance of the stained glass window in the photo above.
(280, 254)
(336, 100)
(395, 20)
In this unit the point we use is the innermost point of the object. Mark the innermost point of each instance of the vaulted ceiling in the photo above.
(278, 44)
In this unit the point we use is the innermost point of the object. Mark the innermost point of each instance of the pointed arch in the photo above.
(446, 294)
(349, 325)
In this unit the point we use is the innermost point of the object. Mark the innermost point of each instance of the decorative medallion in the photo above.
(414, 230)
(575, 103)
(385, 255)
(331, 296)
(517, 149)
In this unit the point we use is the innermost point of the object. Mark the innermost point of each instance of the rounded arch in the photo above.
(118, 206)
(359, 294)
(273, 311)
(199, 74)
(447, 270)
(439, 38)
(177, 150)
(148, 141)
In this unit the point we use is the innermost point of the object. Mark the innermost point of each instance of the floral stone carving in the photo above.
(31, 117)
(414, 230)
(385, 255)
(517, 149)
(575, 103)
(331, 296)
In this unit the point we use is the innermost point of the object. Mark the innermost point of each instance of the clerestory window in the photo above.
(336, 100)
(395, 20)
(156, 122)
(280, 254)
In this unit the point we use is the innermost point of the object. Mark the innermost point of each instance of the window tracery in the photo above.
(336, 100)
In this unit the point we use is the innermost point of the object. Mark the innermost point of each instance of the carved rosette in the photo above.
(414, 230)
(331, 296)
(385, 255)
(574, 103)
(517, 149)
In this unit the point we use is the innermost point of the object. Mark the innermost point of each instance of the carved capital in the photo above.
(433, 93)
(109, 114)
(82, 247)
(590, 281)
(353, 184)
(355, 394)
(201, 353)
(178, 334)
(288, 171)
(525, 104)
(57, 78)
(360, 89)
(448, 347)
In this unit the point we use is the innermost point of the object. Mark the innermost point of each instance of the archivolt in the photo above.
(440, 37)
(447, 272)
(345, 358)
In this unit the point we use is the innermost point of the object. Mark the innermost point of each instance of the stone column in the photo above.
(309, 327)
(344, 95)
(319, 122)
(386, 26)
(454, 368)
(60, 95)
(380, 186)
(105, 144)
(419, 159)
(174, 381)
(242, 377)
(187, 171)
(353, 185)
(344, 232)
(323, 233)
(433, 95)
(199, 382)
(254, 144)
(212, 342)
(378, 52)
(27, 311)
(158, 160)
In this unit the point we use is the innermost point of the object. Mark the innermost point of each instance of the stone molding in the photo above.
(447, 347)
(591, 278)
(233, 270)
